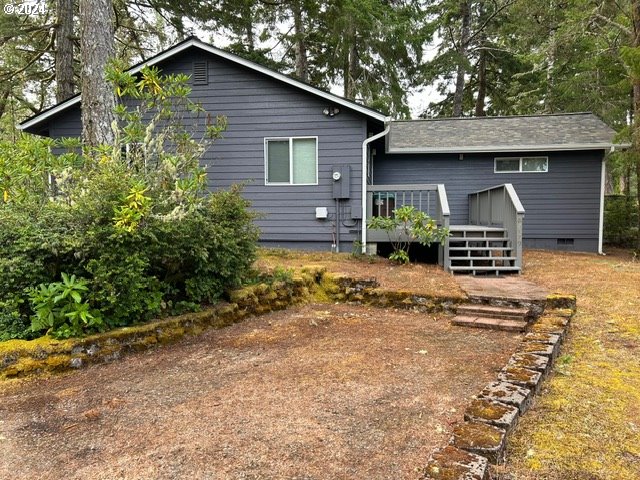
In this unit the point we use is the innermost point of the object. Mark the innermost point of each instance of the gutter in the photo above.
(365, 150)
(514, 148)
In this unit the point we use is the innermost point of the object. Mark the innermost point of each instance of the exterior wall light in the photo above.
(331, 111)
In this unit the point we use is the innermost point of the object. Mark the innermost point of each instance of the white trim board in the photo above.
(194, 42)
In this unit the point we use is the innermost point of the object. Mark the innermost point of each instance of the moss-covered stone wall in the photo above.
(482, 438)
(20, 358)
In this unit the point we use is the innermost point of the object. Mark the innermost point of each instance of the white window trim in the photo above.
(266, 161)
(520, 160)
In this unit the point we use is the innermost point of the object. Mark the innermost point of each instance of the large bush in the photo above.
(620, 221)
(131, 222)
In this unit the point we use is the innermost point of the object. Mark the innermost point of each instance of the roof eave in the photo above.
(34, 121)
(513, 148)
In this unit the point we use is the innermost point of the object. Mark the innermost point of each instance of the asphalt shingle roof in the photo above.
(572, 131)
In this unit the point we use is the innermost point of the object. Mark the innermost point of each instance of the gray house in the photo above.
(309, 158)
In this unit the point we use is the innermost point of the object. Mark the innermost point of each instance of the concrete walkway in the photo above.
(504, 288)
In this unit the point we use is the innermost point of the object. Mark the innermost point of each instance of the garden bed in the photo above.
(423, 279)
(319, 391)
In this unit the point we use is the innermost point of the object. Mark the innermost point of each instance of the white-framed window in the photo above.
(291, 161)
(521, 165)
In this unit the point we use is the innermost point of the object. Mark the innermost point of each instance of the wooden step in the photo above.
(479, 249)
(490, 311)
(483, 258)
(478, 240)
(490, 323)
(483, 269)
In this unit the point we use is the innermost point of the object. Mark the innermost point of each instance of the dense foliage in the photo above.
(120, 234)
(620, 221)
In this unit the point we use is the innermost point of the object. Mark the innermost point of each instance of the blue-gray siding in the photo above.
(562, 203)
(258, 107)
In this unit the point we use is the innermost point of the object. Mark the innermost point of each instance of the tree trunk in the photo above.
(465, 34)
(302, 66)
(551, 62)
(482, 84)
(97, 47)
(482, 67)
(4, 98)
(351, 64)
(636, 108)
(64, 50)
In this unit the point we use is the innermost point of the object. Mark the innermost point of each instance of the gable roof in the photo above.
(573, 131)
(194, 42)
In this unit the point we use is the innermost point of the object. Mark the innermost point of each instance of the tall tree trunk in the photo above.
(482, 84)
(97, 48)
(463, 46)
(351, 64)
(4, 98)
(302, 66)
(64, 50)
(482, 67)
(551, 62)
(635, 5)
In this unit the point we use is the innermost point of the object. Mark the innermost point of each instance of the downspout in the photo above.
(365, 151)
(603, 176)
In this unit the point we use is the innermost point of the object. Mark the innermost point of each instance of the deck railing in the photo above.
(499, 206)
(428, 198)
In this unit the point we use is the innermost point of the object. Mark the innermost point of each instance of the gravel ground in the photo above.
(316, 392)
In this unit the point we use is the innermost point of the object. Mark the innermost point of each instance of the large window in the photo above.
(521, 165)
(291, 161)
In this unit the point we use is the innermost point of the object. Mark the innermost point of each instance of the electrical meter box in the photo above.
(341, 178)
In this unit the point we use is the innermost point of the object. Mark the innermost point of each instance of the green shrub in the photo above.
(60, 310)
(13, 325)
(135, 236)
(405, 226)
(620, 221)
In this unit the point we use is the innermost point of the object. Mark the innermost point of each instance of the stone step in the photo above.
(490, 311)
(490, 323)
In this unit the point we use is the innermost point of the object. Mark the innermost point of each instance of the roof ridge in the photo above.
(194, 41)
(496, 117)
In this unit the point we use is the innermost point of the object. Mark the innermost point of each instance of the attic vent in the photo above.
(200, 73)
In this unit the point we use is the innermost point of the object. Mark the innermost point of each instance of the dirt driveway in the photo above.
(316, 392)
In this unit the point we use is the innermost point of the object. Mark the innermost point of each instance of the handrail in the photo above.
(444, 202)
(514, 198)
(429, 198)
(499, 206)
(403, 187)
(444, 215)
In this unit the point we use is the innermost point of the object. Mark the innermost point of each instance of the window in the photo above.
(291, 161)
(521, 165)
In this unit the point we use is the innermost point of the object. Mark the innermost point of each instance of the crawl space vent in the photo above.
(200, 73)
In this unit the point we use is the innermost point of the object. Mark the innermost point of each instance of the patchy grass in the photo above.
(586, 424)
(428, 280)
